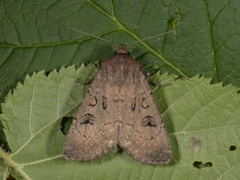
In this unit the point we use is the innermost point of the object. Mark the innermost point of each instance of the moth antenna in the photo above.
(150, 37)
(91, 35)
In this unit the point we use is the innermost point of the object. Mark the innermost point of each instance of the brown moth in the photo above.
(119, 111)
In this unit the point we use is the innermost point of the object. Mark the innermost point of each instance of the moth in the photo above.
(119, 111)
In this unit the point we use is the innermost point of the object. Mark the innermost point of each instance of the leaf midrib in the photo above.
(212, 43)
(13, 164)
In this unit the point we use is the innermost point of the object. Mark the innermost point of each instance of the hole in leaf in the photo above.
(200, 165)
(10, 177)
(5, 147)
(232, 148)
(65, 124)
(208, 164)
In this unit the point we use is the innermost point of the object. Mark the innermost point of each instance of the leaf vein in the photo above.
(32, 59)
(142, 12)
(182, 96)
(232, 71)
(227, 172)
(31, 109)
(220, 11)
(204, 107)
(199, 130)
(42, 160)
(29, 140)
(112, 7)
(39, 131)
(36, 25)
(7, 57)
(15, 28)
(212, 43)
(74, 53)
(5, 174)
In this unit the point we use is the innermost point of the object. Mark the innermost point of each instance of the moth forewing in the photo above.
(119, 110)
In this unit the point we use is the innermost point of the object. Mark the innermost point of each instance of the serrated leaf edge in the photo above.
(19, 167)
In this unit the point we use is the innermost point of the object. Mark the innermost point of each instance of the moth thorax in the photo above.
(122, 49)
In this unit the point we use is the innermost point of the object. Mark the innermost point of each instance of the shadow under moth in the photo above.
(118, 111)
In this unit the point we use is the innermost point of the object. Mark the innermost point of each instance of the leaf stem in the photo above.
(11, 163)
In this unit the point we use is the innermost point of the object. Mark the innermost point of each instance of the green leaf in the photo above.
(2, 170)
(34, 35)
(202, 121)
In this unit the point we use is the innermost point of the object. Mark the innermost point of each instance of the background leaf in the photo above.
(202, 121)
(34, 35)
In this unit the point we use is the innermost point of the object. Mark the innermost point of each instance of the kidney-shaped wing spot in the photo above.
(143, 135)
(148, 121)
(93, 132)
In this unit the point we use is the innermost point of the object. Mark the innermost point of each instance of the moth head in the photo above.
(122, 49)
